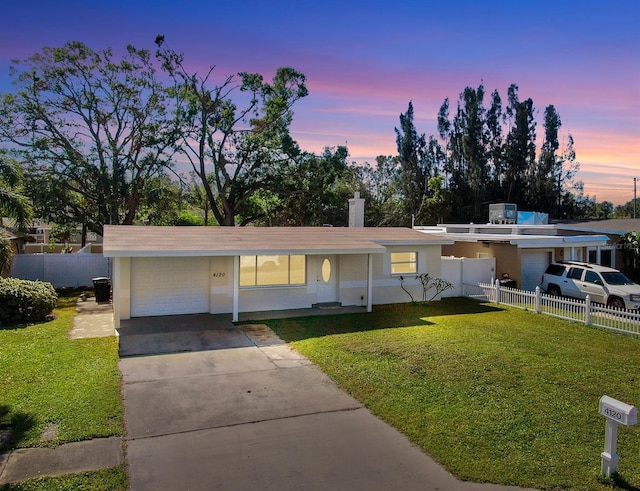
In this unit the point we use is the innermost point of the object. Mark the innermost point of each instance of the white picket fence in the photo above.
(586, 311)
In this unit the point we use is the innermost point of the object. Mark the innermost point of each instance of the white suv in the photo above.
(603, 285)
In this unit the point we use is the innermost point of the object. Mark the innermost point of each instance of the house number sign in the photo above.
(219, 275)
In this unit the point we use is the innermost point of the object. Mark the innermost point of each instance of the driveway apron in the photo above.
(252, 413)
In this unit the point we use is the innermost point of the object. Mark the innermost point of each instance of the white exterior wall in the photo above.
(350, 270)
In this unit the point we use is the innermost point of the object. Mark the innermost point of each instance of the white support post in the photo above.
(610, 457)
(369, 283)
(537, 300)
(236, 287)
(587, 313)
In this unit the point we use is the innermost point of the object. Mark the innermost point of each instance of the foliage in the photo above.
(60, 234)
(316, 193)
(630, 248)
(413, 174)
(186, 218)
(235, 149)
(91, 129)
(483, 155)
(111, 479)
(480, 388)
(13, 203)
(7, 252)
(630, 209)
(24, 301)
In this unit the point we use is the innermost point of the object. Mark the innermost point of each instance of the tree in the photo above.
(92, 130)
(413, 175)
(380, 187)
(520, 148)
(474, 149)
(318, 191)
(235, 151)
(436, 207)
(13, 203)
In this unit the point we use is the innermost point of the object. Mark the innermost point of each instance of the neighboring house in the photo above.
(184, 270)
(613, 228)
(39, 240)
(523, 252)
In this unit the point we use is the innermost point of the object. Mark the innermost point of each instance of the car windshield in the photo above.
(616, 278)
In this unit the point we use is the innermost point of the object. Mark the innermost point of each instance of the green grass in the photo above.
(494, 394)
(112, 479)
(47, 379)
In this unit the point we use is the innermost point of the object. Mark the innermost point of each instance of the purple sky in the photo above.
(365, 61)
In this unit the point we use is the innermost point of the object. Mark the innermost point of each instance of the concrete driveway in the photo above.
(251, 413)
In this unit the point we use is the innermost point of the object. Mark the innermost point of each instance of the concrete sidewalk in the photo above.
(261, 417)
(26, 463)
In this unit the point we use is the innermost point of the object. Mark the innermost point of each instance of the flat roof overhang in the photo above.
(532, 241)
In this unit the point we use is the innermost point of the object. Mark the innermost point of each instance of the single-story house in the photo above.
(183, 270)
(523, 252)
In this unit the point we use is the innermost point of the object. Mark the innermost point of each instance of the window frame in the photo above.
(393, 263)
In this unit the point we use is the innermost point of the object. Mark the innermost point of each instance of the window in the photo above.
(555, 269)
(272, 270)
(404, 262)
(593, 277)
(575, 273)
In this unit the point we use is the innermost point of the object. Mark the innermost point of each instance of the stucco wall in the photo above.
(350, 272)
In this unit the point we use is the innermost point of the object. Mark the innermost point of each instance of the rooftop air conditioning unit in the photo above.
(503, 213)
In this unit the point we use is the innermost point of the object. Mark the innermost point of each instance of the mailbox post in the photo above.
(616, 412)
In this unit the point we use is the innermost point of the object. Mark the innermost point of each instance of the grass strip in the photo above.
(112, 479)
(50, 381)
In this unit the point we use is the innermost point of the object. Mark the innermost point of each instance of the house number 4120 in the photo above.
(219, 275)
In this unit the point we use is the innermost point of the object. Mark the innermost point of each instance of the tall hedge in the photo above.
(24, 301)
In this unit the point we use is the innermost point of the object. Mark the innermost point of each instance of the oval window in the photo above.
(326, 270)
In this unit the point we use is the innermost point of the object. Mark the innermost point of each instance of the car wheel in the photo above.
(554, 290)
(616, 303)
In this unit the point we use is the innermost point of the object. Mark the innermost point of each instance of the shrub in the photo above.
(23, 301)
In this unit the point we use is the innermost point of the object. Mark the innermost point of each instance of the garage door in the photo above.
(169, 286)
(534, 263)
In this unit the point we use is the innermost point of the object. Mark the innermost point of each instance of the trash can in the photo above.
(102, 288)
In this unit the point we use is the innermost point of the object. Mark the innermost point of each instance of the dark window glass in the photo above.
(555, 269)
(593, 277)
(575, 273)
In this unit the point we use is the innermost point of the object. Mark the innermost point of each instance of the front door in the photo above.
(327, 279)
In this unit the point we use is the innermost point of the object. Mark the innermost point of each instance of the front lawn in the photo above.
(47, 381)
(494, 394)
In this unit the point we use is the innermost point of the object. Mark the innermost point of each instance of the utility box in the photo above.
(501, 213)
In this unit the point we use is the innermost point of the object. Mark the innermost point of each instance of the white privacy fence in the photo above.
(585, 311)
(61, 270)
(460, 271)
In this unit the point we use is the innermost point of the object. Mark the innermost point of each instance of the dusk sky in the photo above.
(364, 61)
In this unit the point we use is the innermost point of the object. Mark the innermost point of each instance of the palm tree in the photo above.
(13, 205)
